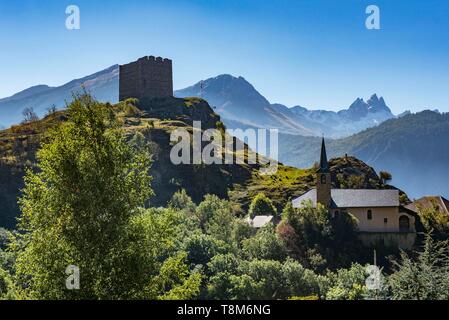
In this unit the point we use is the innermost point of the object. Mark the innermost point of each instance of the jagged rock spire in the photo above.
(324, 165)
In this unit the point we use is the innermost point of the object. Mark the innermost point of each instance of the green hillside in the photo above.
(154, 121)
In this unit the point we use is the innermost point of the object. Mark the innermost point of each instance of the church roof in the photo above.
(324, 165)
(354, 198)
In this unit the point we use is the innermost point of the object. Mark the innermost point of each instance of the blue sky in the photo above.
(314, 53)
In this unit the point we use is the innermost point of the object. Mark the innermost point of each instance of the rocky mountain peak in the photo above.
(227, 92)
(376, 104)
(373, 99)
(358, 109)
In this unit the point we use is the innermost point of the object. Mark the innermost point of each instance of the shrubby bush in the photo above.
(202, 248)
(316, 239)
(270, 279)
(265, 245)
(347, 284)
(7, 291)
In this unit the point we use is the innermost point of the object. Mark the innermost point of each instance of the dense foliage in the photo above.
(89, 205)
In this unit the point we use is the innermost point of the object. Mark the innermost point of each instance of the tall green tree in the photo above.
(317, 239)
(77, 206)
(261, 205)
(424, 278)
(434, 221)
(182, 201)
(385, 176)
(175, 281)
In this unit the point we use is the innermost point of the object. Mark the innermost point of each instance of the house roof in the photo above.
(260, 221)
(441, 203)
(354, 198)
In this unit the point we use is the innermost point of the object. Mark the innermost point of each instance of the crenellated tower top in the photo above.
(148, 77)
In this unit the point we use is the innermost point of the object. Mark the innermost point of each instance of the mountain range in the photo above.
(413, 147)
(235, 99)
(241, 105)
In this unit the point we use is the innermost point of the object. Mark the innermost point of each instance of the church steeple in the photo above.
(324, 165)
(323, 180)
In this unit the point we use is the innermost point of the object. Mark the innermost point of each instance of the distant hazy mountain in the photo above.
(413, 148)
(103, 85)
(359, 116)
(235, 99)
(240, 104)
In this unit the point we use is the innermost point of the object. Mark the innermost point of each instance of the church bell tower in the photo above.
(323, 182)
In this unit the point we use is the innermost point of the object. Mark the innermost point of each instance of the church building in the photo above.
(379, 215)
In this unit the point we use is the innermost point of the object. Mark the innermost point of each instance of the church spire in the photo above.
(324, 165)
(324, 180)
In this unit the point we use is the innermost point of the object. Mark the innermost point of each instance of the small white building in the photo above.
(259, 221)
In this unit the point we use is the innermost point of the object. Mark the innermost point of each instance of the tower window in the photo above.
(369, 215)
(385, 220)
(323, 178)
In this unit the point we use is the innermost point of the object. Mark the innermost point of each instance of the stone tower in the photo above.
(323, 182)
(148, 77)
